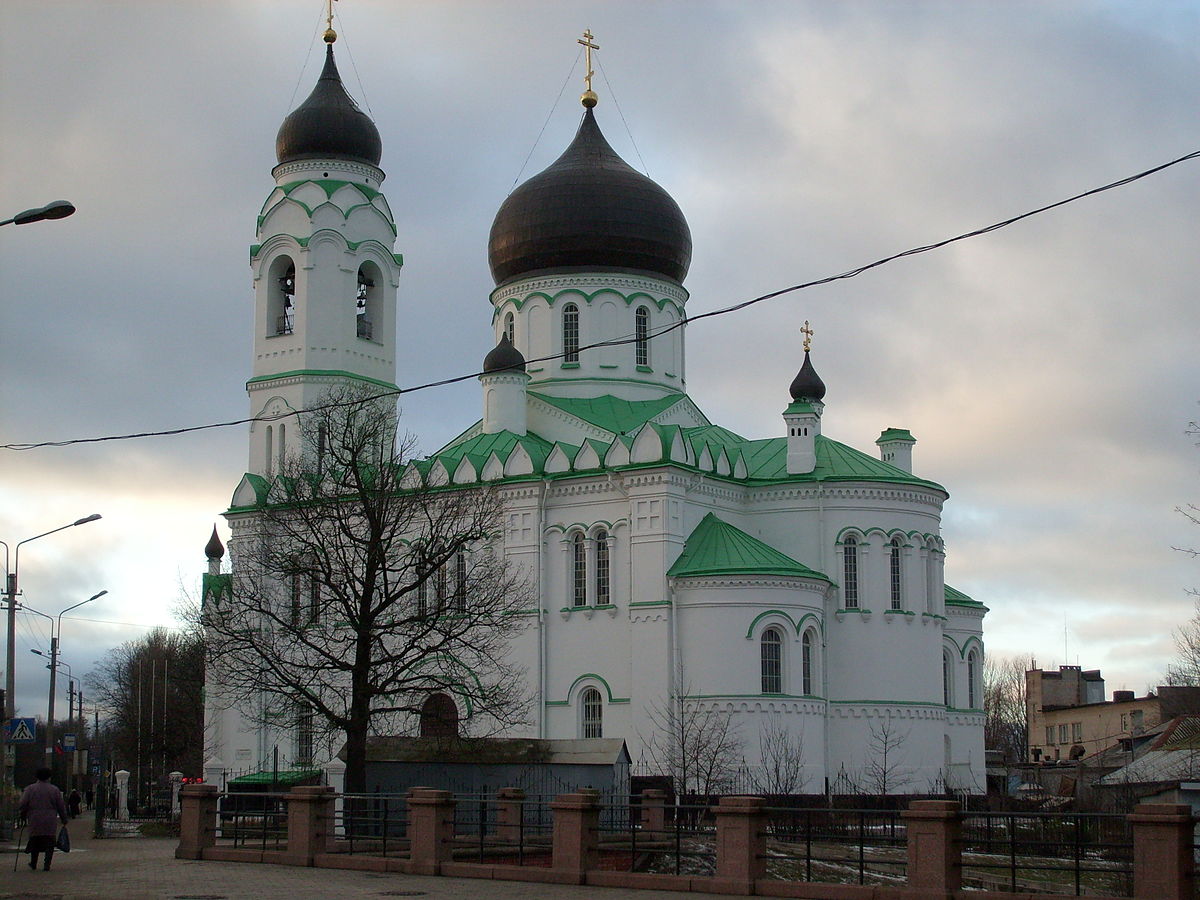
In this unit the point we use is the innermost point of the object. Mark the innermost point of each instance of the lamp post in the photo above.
(56, 209)
(54, 664)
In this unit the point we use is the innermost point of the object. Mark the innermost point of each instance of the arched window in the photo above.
(603, 579)
(771, 650)
(439, 716)
(439, 589)
(806, 663)
(973, 680)
(270, 455)
(570, 333)
(282, 450)
(641, 331)
(592, 718)
(578, 571)
(510, 328)
(365, 302)
(947, 678)
(297, 593)
(850, 572)
(897, 575)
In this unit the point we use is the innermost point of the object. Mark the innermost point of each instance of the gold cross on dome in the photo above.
(586, 41)
(808, 333)
(330, 34)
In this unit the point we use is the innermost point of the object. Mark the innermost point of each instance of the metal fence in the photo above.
(246, 819)
(483, 834)
(685, 845)
(838, 846)
(371, 824)
(1067, 853)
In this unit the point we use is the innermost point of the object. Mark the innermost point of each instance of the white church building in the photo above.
(787, 579)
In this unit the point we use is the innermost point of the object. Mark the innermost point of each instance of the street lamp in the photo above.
(54, 664)
(56, 209)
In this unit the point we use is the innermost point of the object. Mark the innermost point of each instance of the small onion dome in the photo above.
(214, 549)
(329, 124)
(504, 357)
(590, 210)
(807, 385)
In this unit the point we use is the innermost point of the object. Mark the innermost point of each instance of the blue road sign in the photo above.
(68, 742)
(21, 731)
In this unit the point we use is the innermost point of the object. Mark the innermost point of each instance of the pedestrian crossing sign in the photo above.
(21, 731)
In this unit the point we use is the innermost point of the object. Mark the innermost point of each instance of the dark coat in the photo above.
(42, 805)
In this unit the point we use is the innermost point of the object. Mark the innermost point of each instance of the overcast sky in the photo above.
(1048, 371)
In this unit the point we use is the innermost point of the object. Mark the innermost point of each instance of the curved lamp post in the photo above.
(55, 633)
(56, 209)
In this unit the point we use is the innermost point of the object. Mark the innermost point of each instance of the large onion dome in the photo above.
(807, 385)
(589, 210)
(329, 124)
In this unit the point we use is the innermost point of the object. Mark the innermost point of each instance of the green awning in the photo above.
(284, 777)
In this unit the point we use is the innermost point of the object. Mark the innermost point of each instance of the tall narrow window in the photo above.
(510, 328)
(321, 438)
(422, 594)
(282, 451)
(439, 589)
(602, 569)
(294, 612)
(641, 332)
(973, 680)
(593, 714)
(314, 600)
(578, 571)
(363, 303)
(570, 333)
(270, 455)
(460, 581)
(304, 737)
(947, 678)
(897, 574)
(806, 663)
(850, 572)
(284, 318)
(771, 650)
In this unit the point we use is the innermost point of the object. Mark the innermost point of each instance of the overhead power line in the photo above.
(723, 311)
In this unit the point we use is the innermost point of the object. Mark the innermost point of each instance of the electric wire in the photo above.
(549, 116)
(723, 311)
(621, 113)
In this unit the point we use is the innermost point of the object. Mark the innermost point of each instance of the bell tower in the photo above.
(324, 267)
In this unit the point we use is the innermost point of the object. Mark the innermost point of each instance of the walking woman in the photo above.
(42, 806)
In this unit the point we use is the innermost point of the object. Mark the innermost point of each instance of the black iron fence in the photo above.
(839, 846)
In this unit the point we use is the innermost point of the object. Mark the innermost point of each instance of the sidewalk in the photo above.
(138, 868)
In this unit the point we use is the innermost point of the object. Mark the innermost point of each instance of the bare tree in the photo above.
(366, 596)
(1185, 669)
(1006, 725)
(695, 743)
(884, 771)
(782, 752)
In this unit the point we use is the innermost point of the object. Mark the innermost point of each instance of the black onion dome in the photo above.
(214, 549)
(504, 357)
(329, 124)
(807, 385)
(589, 210)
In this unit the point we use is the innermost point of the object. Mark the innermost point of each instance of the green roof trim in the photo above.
(611, 413)
(800, 406)
(717, 548)
(331, 187)
(896, 434)
(956, 597)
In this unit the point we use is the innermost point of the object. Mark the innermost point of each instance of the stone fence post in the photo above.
(309, 823)
(510, 810)
(576, 832)
(654, 813)
(1163, 864)
(741, 843)
(197, 820)
(934, 829)
(430, 830)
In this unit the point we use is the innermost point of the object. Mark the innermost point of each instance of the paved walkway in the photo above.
(138, 868)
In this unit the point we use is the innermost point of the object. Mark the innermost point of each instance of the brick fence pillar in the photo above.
(510, 809)
(197, 820)
(576, 832)
(654, 813)
(309, 823)
(934, 829)
(430, 830)
(1163, 865)
(741, 843)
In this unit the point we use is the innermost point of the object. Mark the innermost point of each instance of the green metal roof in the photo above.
(717, 548)
(282, 777)
(611, 413)
(956, 597)
(480, 447)
(895, 434)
